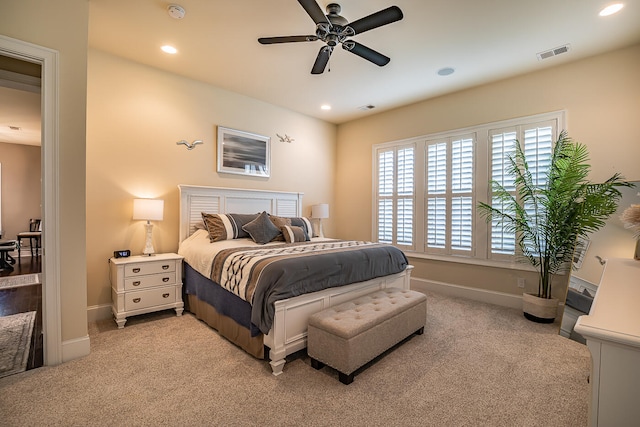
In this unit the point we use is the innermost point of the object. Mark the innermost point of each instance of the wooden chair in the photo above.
(6, 260)
(34, 235)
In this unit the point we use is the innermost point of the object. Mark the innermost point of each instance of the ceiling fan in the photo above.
(333, 29)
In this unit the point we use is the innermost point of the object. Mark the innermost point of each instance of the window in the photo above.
(536, 140)
(395, 195)
(426, 189)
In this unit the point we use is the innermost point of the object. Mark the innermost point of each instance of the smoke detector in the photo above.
(175, 11)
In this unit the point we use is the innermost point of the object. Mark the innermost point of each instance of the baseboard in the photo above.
(75, 348)
(98, 312)
(483, 295)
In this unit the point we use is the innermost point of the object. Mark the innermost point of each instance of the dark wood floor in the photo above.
(23, 299)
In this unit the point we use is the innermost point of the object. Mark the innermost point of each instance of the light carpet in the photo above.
(15, 341)
(17, 281)
(476, 365)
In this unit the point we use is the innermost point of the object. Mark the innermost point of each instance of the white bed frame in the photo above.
(289, 331)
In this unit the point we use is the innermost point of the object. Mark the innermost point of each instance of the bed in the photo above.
(224, 309)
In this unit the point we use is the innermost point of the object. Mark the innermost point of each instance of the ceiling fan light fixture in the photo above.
(611, 9)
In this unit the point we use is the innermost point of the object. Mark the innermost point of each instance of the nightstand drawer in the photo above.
(152, 267)
(134, 283)
(149, 298)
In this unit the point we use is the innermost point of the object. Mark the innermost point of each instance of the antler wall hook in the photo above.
(285, 138)
(189, 146)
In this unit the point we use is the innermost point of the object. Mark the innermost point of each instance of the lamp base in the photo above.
(319, 231)
(148, 245)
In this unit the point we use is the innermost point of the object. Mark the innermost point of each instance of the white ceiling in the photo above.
(482, 40)
(217, 43)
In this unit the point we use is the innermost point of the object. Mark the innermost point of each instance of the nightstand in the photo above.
(143, 284)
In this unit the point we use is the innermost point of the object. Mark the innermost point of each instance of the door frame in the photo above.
(49, 97)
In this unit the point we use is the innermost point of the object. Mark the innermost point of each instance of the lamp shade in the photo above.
(148, 209)
(320, 211)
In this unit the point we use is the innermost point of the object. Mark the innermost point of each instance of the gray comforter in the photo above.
(265, 275)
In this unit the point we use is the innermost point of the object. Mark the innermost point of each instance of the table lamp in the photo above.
(148, 210)
(319, 212)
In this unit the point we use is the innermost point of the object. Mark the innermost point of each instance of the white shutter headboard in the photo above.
(195, 199)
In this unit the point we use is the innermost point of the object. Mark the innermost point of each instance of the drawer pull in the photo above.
(165, 267)
(165, 295)
(136, 300)
(165, 279)
(136, 283)
(136, 270)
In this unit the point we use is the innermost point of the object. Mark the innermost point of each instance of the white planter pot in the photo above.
(541, 310)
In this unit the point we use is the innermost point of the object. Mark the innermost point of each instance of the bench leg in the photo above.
(345, 379)
(316, 364)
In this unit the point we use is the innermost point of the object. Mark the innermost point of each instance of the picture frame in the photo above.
(243, 153)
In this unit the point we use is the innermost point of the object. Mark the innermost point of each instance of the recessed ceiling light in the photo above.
(325, 107)
(611, 9)
(445, 71)
(169, 49)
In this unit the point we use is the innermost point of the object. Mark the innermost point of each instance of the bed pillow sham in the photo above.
(262, 230)
(293, 234)
(226, 226)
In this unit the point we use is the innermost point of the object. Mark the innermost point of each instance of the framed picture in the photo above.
(243, 153)
(580, 251)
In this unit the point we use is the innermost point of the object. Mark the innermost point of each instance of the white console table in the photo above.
(612, 331)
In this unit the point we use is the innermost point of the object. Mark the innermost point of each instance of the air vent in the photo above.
(553, 52)
(367, 107)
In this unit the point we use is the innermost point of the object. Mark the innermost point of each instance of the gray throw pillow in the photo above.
(261, 229)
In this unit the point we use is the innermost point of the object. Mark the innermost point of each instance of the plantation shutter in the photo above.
(462, 200)
(450, 201)
(436, 195)
(396, 193)
(503, 146)
(537, 142)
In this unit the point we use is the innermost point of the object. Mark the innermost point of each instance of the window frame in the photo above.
(481, 230)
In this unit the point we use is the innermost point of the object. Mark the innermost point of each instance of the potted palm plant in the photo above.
(547, 219)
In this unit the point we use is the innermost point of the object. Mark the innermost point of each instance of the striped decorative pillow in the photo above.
(226, 226)
(305, 223)
(294, 234)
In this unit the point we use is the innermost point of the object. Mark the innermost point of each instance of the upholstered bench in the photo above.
(349, 335)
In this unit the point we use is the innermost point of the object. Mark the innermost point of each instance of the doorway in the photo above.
(47, 59)
(21, 318)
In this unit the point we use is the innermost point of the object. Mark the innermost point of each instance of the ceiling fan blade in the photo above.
(378, 19)
(321, 60)
(366, 53)
(314, 11)
(287, 39)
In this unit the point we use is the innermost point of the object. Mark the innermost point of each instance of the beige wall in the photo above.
(20, 187)
(600, 94)
(63, 26)
(135, 116)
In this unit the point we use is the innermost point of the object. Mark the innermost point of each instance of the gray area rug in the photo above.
(15, 341)
(476, 365)
(17, 281)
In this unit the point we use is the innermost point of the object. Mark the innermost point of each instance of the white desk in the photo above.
(612, 331)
